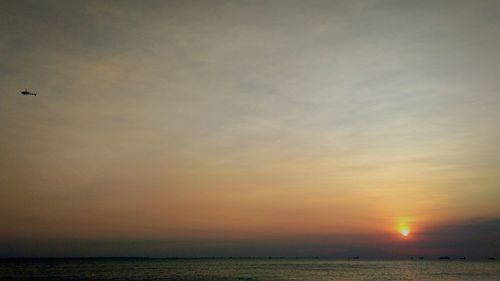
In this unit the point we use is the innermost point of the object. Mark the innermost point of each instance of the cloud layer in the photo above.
(246, 120)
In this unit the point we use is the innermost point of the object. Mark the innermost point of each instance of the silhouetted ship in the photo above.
(463, 258)
(420, 258)
(355, 258)
(444, 258)
(491, 258)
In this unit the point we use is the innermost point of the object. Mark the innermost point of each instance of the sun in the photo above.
(405, 231)
(403, 226)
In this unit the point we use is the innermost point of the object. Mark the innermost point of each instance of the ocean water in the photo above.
(245, 269)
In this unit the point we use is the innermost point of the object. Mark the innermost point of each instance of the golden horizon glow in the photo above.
(405, 231)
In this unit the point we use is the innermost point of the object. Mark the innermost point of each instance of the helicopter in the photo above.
(28, 93)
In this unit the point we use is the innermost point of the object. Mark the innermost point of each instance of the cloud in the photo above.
(476, 240)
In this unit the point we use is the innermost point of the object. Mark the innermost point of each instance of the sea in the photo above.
(245, 269)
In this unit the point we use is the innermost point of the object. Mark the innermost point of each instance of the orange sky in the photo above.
(244, 121)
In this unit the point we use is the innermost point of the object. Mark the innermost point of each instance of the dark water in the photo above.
(245, 269)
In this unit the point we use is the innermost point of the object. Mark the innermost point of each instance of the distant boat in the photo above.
(444, 258)
(355, 258)
(491, 258)
(463, 258)
(420, 258)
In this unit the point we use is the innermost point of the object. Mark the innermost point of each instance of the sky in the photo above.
(249, 128)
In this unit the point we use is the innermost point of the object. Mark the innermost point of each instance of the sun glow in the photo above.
(403, 226)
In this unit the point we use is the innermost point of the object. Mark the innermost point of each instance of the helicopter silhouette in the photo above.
(28, 93)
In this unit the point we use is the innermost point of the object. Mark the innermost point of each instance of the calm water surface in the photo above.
(245, 269)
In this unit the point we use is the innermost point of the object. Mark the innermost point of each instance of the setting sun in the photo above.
(405, 231)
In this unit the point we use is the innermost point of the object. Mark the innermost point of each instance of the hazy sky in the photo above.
(285, 128)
